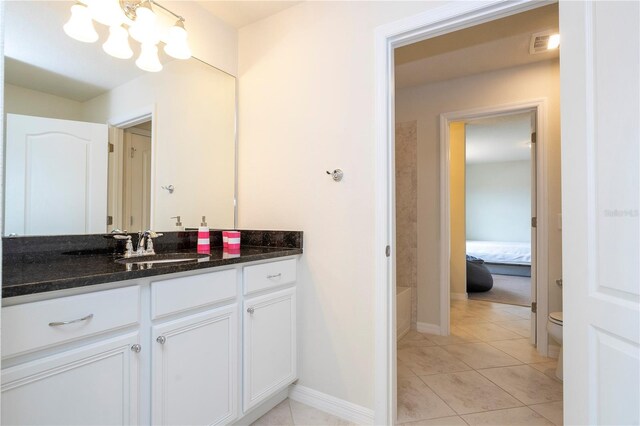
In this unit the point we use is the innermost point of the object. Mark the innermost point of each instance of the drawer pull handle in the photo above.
(251, 310)
(275, 275)
(59, 323)
(161, 339)
(136, 348)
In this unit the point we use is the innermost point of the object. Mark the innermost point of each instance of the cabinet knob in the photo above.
(251, 310)
(136, 348)
(161, 340)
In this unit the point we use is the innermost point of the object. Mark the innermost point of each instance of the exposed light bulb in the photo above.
(80, 26)
(148, 59)
(117, 45)
(144, 29)
(177, 46)
(107, 12)
(554, 42)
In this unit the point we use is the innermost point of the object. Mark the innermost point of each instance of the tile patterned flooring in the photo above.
(484, 373)
(293, 413)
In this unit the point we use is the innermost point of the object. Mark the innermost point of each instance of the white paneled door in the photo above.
(56, 176)
(600, 73)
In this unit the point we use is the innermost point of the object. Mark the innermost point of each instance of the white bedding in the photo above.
(513, 253)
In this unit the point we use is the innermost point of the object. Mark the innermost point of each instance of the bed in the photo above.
(505, 258)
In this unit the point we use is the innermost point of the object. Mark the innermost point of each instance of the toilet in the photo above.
(554, 327)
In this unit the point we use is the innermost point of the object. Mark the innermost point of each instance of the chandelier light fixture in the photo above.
(135, 18)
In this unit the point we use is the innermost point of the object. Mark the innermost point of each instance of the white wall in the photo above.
(210, 39)
(193, 133)
(18, 100)
(307, 106)
(425, 104)
(498, 199)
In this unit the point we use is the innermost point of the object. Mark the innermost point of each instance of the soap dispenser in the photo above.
(178, 222)
(204, 243)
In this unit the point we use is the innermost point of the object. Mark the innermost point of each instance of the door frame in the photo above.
(431, 23)
(540, 271)
(127, 167)
(116, 136)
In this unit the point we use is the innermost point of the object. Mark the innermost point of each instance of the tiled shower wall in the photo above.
(407, 211)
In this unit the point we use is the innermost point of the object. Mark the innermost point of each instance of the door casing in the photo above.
(539, 243)
(440, 20)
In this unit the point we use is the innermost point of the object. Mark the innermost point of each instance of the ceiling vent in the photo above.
(540, 42)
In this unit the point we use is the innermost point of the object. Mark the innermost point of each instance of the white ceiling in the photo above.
(239, 13)
(499, 139)
(498, 44)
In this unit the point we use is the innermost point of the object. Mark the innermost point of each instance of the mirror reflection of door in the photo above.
(137, 177)
(48, 198)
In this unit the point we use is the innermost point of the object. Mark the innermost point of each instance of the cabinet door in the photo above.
(269, 345)
(96, 384)
(195, 369)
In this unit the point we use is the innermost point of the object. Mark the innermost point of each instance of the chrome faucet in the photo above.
(145, 242)
(128, 250)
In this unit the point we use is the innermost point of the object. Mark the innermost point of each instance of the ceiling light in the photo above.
(148, 59)
(144, 29)
(117, 45)
(106, 12)
(80, 26)
(126, 18)
(554, 41)
(177, 46)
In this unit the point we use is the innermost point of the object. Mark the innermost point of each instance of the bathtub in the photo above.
(403, 311)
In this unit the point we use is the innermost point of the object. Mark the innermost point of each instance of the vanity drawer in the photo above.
(185, 293)
(268, 275)
(38, 325)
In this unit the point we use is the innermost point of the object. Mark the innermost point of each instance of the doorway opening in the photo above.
(129, 201)
(478, 73)
(496, 185)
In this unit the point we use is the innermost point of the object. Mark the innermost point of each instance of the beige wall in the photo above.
(457, 211)
(425, 104)
(306, 106)
(18, 100)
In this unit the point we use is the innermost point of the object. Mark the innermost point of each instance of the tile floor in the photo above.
(290, 413)
(484, 373)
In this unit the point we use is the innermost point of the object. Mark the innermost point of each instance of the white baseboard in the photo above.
(553, 351)
(459, 296)
(425, 327)
(332, 405)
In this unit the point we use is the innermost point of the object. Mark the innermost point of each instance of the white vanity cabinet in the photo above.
(269, 330)
(194, 359)
(202, 347)
(91, 385)
(94, 381)
(269, 345)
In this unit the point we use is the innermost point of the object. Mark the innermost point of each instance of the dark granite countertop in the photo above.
(29, 272)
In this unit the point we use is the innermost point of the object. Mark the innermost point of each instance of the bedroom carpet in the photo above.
(507, 289)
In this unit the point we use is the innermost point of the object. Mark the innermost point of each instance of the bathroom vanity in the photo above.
(88, 338)
(210, 341)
